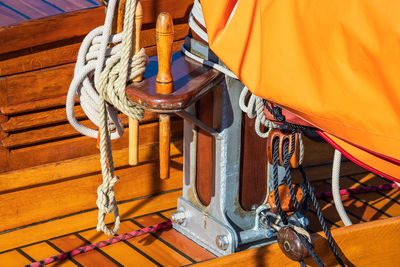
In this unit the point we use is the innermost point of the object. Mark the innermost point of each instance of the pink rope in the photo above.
(150, 229)
(359, 190)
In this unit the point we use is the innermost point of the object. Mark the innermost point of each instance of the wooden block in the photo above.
(85, 220)
(158, 250)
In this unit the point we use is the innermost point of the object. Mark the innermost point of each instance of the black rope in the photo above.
(320, 217)
(288, 178)
(275, 157)
(310, 249)
(276, 112)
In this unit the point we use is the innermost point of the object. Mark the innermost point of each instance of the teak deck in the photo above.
(49, 237)
(49, 174)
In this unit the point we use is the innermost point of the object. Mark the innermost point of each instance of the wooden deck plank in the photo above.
(80, 194)
(53, 172)
(91, 258)
(9, 16)
(86, 220)
(154, 247)
(369, 252)
(176, 239)
(13, 259)
(125, 254)
(33, 8)
(42, 251)
(71, 5)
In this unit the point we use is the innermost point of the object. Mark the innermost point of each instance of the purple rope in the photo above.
(359, 190)
(69, 254)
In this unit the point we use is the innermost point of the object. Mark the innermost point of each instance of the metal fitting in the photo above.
(178, 217)
(222, 242)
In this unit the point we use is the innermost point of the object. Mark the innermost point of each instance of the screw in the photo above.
(222, 242)
(178, 217)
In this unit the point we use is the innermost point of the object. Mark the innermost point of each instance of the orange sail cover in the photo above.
(335, 64)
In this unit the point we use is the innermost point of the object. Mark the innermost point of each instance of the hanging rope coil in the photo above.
(105, 64)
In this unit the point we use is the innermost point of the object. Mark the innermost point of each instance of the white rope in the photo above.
(336, 188)
(99, 81)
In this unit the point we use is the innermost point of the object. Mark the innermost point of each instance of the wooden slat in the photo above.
(38, 119)
(125, 255)
(42, 251)
(179, 241)
(54, 116)
(14, 259)
(72, 148)
(50, 29)
(40, 57)
(42, 84)
(33, 105)
(53, 172)
(81, 193)
(63, 26)
(253, 166)
(204, 150)
(57, 132)
(84, 220)
(50, 55)
(158, 250)
(368, 244)
(91, 258)
(37, 85)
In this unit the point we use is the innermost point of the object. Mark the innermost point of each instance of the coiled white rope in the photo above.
(99, 80)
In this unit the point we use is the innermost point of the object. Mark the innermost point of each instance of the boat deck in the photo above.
(16, 11)
(40, 240)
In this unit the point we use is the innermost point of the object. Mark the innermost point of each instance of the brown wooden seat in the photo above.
(192, 80)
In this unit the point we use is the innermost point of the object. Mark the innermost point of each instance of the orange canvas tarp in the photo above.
(335, 64)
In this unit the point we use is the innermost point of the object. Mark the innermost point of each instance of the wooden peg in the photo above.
(134, 124)
(164, 84)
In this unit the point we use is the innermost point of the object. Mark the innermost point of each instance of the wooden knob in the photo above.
(164, 84)
(291, 244)
(164, 40)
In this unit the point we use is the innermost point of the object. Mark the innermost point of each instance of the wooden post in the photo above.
(164, 84)
(134, 124)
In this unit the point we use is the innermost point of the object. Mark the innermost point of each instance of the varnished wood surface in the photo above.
(191, 81)
(40, 55)
(16, 11)
(170, 248)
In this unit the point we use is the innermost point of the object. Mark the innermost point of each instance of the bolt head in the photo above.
(222, 242)
(178, 217)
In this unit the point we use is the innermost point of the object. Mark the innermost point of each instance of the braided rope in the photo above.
(84, 249)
